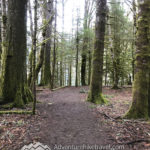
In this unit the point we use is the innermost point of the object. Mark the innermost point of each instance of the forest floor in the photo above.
(64, 118)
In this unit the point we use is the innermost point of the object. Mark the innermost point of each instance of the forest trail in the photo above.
(64, 118)
(70, 120)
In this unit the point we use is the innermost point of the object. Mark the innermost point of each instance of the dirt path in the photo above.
(64, 119)
(69, 120)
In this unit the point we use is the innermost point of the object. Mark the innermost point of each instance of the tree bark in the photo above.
(14, 84)
(85, 46)
(0, 37)
(34, 55)
(95, 93)
(89, 71)
(54, 51)
(141, 89)
(134, 35)
(3, 36)
(46, 65)
(77, 51)
(31, 53)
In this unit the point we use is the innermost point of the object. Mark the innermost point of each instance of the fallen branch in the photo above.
(15, 112)
(59, 88)
(105, 115)
(136, 141)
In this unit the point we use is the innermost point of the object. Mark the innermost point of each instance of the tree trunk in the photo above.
(34, 55)
(49, 16)
(106, 69)
(61, 72)
(134, 35)
(95, 93)
(31, 53)
(70, 74)
(3, 36)
(77, 51)
(141, 89)
(40, 61)
(0, 38)
(14, 86)
(85, 46)
(54, 51)
(89, 73)
(77, 57)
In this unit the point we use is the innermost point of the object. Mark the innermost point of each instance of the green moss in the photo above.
(7, 106)
(18, 102)
(27, 95)
(139, 107)
(15, 112)
(100, 99)
(108, 96)
(92, 106)
(134, 114)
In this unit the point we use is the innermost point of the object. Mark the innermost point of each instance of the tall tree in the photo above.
(95, 93)
(77, 48)
(85, 42)
(34, 55)
(116, 49)
(141, 90)
(14, 84)
(55, 48)
(31, 53)
(88, 10)
(48, 8)
(134, 35)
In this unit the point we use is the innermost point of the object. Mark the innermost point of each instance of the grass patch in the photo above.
(92, 106)
(108, 96)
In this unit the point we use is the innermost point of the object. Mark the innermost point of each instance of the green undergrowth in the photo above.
(7, 106)
(99, 100)
(92, 106)
(108, 96)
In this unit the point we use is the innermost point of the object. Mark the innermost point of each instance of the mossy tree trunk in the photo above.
(134, 35)
(116, 67)
(95, 93)
(88, 11)
(61, 71)
(44, 56)
(34, 55)
(54, 50)
(0, 42)
(70, 73)
(141, 89)
(116, 50)
(14, 87)
(85, 46)
(46, 65)
(3, 35)
(89, 71)
(31, 53)
(77, 50)
(116, 28)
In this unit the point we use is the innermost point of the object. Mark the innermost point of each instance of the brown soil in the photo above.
(65, 118)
